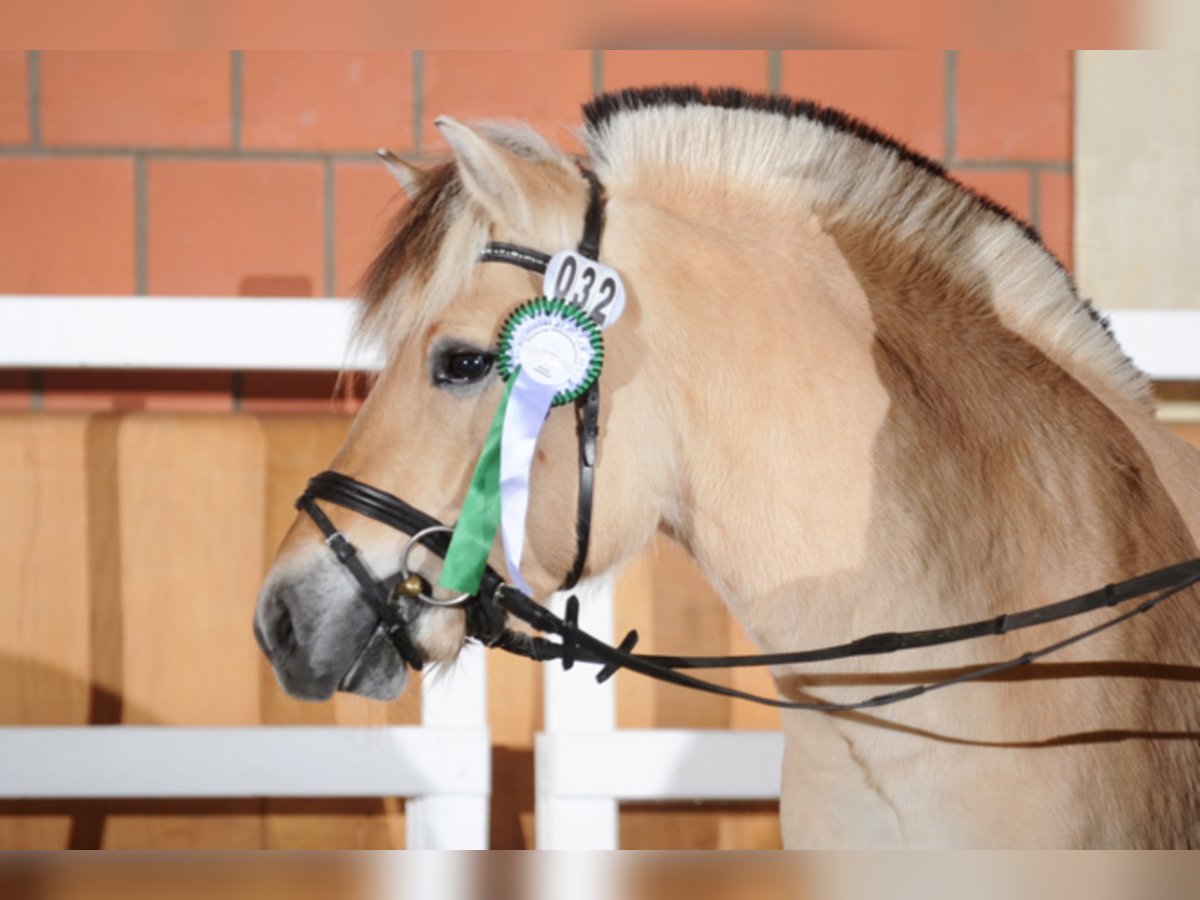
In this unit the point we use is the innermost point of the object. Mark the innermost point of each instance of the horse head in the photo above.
(438, 310)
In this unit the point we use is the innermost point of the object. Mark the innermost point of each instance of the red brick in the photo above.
(1014, 104)
(288, 24)
(718, 21)
(235, 228)
(327, 100)
(909, 25)
(897, 91)
(1095, 24)
(367, 197)
(746, 69)
(1008, 187)
(66, 226)
(81, 24)
(158, 391)
(542, 87)
(1056, 195)
(178, 98)
(914, 24)
(14, 110)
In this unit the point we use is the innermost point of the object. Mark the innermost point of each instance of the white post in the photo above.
(445, 821)
(456, 697)
(576, 875)
(574, 702)
(452, 700)
(403, 875)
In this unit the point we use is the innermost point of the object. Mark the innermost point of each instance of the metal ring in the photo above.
(405, 573)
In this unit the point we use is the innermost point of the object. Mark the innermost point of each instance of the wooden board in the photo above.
(674, 609)
(44, 612)
(189, 519)
(45, 615)
(1189, 431)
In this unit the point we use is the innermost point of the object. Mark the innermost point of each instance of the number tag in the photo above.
(587, 285)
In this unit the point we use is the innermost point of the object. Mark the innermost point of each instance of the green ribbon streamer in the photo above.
(479, 521)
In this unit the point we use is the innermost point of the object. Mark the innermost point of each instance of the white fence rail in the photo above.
(46, 332)
(585, 765)
(271, 761)
(442, 767)
(243, 333)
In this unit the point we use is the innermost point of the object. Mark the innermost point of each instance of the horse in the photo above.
(861, 396)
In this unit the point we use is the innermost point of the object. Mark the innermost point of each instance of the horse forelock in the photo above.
(432, 243)
(848, 172)
(428, 260)
(417, 233)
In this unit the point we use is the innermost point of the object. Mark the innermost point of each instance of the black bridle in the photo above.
(339, 489)
(488, 610)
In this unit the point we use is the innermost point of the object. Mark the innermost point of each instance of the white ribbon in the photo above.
(528, 406)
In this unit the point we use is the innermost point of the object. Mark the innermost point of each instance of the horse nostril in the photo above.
(273, 629)
(282, 631)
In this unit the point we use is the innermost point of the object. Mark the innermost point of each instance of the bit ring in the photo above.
(405, 573)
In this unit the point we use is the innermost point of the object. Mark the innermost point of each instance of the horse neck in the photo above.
(868, 430)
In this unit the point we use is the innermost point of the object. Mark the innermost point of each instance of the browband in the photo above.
(587, 407)
(515, 254)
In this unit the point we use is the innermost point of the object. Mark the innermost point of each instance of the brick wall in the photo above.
(252, 173)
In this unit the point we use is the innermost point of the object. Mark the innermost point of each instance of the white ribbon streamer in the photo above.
(528, 406)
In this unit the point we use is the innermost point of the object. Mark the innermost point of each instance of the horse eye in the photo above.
(462, 367)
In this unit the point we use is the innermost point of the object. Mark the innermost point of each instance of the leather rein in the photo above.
(487, 612)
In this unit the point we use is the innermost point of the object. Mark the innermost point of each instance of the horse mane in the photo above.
(850, 169)
(605, 107)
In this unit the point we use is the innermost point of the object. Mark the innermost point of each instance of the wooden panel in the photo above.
(191, 508)
(44, 616)
(190, 512)
(43, 573)
(673, 609)
(663, 595)
(1189, 431)
(104, 570)
(708, 826)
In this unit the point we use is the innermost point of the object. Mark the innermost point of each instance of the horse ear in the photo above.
(406, 174)
(495, 176)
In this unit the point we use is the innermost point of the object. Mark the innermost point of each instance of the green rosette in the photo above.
(544, 313)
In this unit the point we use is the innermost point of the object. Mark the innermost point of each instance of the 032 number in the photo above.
(587, 285)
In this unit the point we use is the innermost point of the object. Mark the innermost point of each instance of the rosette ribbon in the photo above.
(550, 354)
